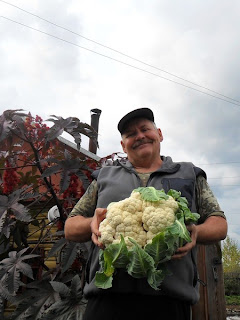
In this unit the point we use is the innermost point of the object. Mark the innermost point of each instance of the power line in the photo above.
(116, 60)
(119, 52)
(226, 177)
(234, 213)
(213, 163)
(226, 185)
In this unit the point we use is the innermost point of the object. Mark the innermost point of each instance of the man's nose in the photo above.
(140, 135)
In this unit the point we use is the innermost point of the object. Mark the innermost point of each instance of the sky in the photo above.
(179, 58)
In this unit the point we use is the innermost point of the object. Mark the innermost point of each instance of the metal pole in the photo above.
(95, 114)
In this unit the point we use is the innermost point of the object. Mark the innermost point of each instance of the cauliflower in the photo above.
(158, 215)
(137, 218)
(141, 233)
(124, 218)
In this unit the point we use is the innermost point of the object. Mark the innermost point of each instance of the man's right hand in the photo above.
(99, 216)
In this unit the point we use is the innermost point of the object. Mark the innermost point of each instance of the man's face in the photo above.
(141, 139)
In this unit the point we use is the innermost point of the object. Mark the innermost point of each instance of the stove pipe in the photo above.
(95, 114)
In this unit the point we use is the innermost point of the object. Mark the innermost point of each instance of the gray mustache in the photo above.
(139, 143)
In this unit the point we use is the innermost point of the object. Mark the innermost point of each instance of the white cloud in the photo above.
(197, 41)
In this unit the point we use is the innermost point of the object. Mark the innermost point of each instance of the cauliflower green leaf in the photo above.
(162, 247)
(151, 194)
(189, 217)
(114, 256)
(140, 261)
(179, 230)
(103, 281)
(174, 193)
(156, 277)
(142, 265)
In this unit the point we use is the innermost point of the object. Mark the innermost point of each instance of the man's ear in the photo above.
(160, 134)
(123, 146)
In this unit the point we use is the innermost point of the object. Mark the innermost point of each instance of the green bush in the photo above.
(232, 284)
(233, 300)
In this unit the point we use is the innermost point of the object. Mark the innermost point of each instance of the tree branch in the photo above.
(48, 184)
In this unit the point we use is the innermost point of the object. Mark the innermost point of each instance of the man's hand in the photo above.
(99, 216)
(214, 229)
(183, 251)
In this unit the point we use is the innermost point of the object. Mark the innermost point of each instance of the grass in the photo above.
(233, 300)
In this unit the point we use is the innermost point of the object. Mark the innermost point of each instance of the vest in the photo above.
(116, 183)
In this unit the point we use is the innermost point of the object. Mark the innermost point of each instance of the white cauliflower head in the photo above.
(123, 218)
(137, 218)
(159, 215)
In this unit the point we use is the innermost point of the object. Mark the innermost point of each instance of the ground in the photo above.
(233, 310)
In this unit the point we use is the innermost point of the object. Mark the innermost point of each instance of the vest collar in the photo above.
(168, 166)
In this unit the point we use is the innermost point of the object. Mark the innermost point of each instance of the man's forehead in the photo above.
(136, 122)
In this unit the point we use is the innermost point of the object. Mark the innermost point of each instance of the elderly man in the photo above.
(131, 298)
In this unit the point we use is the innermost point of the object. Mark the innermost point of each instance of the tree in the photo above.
(231, 255)
(231, 267)
(30, 160)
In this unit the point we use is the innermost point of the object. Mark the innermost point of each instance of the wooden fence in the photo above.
(212, 305)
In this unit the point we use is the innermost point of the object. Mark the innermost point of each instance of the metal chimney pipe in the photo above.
(95, 114)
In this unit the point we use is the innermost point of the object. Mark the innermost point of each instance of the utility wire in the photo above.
(233, 213)
(228, 213)
(225, 185)
(226, 177)
(213, 163)
(117, 51)
(119, 61)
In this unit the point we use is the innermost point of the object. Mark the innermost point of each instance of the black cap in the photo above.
(138, 113)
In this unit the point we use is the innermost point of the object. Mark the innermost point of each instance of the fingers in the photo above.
(178, 256)
(183, 251)
(96, 241)
(99, 216)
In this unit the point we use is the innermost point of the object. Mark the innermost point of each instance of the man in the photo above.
(132, 298)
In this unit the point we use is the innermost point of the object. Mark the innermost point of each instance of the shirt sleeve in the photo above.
(87, 204)
(207, 204)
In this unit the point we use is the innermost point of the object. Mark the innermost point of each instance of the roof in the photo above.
(81, 150)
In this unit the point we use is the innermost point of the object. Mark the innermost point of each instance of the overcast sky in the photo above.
(122, 55)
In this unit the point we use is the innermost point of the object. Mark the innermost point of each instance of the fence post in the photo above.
(212, 305)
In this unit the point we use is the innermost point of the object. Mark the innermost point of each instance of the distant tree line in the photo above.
(231, 266)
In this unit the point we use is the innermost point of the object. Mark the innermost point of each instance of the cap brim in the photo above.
(138, 113)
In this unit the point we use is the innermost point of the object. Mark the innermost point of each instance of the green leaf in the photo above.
(179, 229)
(175, 194)
(103, 281)
(108, 263)
(114, 256)
(141, 263)
(183, 203)
(142, 266)
(191, 217)
(155, 278)
(119, 254)
(159, 249)
(172, 241)
(151, 194)
(103, 278)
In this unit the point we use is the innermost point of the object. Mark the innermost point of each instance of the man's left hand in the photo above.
(183, 251)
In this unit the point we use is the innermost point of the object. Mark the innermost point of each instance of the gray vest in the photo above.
(116, 183)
